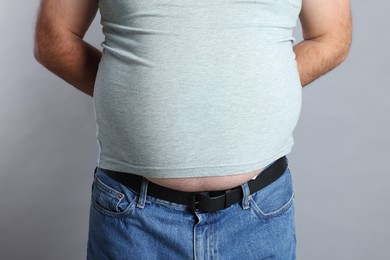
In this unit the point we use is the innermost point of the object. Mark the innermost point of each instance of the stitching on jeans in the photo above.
(111, 192)
(277, 212)
(280, 210)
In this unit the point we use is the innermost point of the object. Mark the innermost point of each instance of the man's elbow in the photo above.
(50, 50)
(46, 49)
(42, 43)
(343, 42)
(344, 48)
(336, 49)
(38, 52)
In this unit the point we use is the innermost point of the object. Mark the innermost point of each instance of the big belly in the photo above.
(196, 108)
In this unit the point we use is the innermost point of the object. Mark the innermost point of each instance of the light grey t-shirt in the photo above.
(192, 88)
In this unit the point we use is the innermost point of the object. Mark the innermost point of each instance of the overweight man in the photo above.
(195, 104)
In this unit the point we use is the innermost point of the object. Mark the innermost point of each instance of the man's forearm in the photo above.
(315, 57)
(73, 60)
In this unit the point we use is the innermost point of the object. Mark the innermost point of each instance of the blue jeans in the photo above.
(124, 224)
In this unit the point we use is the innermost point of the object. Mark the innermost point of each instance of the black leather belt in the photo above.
(203, 201)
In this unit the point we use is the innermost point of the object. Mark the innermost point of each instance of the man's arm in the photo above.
(327, 33)
(59, 45)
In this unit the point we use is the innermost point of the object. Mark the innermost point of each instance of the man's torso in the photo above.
(196, 95)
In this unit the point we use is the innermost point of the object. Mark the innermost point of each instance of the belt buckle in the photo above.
(195, 201)
(207, 201)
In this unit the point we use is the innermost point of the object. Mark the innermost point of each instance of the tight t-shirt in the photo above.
(193, 88)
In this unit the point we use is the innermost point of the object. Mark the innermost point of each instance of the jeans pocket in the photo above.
(274, 199)
(110, 197)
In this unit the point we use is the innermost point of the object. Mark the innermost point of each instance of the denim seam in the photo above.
(277, 212)
(113, 193)
(108, 213)
(167, 204)
(176, 206)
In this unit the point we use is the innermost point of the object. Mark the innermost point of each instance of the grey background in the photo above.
(339, 163)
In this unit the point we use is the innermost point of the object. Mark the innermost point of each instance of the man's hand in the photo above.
(59, 45)
(327, 33)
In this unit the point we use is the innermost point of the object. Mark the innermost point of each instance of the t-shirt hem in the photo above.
(188, 172)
